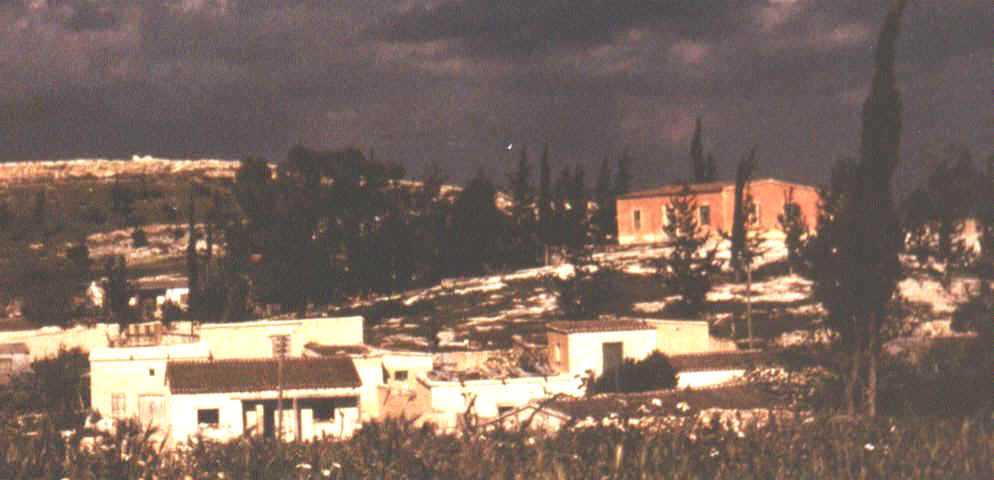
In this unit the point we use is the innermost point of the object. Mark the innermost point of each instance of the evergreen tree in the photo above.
(604, 220)
(192, 261)
(118, 292)
(588, 292)
(525, 239)
(698, 164)
(47, 286)
(577, 214)
(476, 237)
(689, 266)
(795, 229)
(623, 178)
(545, 200)
(857, 265)
(741, 253)
(121, 200)
(710, 169)
(39, 212)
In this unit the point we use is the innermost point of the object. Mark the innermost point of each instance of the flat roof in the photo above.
(587, 326)
(222, 376)
(723, 360)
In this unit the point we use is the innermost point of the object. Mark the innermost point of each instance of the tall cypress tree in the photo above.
(192, 262)
(623, 178)
(545, 210)
(604, 220)
(697, 161)
(740, 251)
(857, 266)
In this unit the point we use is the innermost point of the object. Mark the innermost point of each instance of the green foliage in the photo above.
(589, 292)
(795, 229)
(58, 387)
(139, 238)
(118, 291)
(689, 266)
(819, 448)
(47, 285)
(651, 373)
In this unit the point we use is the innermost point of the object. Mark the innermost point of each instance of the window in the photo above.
(208, 416)
(281, 344)
(118, 405)
(705, 214)
(754, 215)
(557, 353)
(324, 408)
(149, 407)
(400, 375)
(151, 372)
(637, 219)
(6, 365)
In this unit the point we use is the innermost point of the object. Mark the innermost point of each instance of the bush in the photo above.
(651, 373)
(138, 238)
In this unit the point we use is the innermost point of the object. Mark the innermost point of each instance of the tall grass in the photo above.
(817, 448)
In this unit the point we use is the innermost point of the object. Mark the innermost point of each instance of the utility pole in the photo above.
(749, 301)
(280, 346)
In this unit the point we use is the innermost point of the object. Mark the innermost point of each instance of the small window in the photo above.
(705, 213)
(281, 345)
(118, 405)
(151, 372)
(637, 219)
(400, 375)
(324, 408)
(208, 416)
(754, 215)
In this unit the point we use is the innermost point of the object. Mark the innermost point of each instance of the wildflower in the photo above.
(530, 441)
(683, 407)
(657, 402)
(869, 447)
(713, 453)
(304, 466)
(326, 472)
(336, 464)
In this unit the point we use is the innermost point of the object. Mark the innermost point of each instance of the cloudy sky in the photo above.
(458, 80)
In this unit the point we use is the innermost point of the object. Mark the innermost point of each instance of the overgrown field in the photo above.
(816, 448)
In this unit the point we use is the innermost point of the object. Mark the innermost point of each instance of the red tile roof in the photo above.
(585, 326)
(260, 375)
(674, 189)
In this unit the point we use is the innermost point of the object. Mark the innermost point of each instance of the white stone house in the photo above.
(223, 399)
(594, 346)
(14, 358)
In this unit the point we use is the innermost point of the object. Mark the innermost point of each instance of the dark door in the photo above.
(613, 353)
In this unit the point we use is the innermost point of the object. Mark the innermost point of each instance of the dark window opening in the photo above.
(705, 211)
(151, 372)
(637, 219)
(208, 416)
(400, 375)
(324, 408)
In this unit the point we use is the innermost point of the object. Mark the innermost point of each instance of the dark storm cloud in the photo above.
(522, 27)
(456, 81)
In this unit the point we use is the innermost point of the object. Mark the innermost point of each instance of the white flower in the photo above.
(869, 447)
(326, 472)
(304, 466)
(713, 453)
(657, 402)
(683, 407)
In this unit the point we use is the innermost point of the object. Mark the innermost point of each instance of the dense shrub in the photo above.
(815, 448)
(651, 373)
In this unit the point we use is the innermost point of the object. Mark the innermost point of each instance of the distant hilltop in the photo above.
(103, 169)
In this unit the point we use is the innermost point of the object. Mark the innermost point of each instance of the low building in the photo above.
(710, 369)
(14, 358)
(643, 214)
(580, 347)
(224, 399)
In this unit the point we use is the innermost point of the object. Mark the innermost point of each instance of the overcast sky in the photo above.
(458, 81)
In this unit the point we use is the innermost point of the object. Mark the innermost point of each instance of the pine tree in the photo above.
(795, 230)
(524, 245)
(710, 169)
(477, 233)
(578, 220)
(689, 266)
